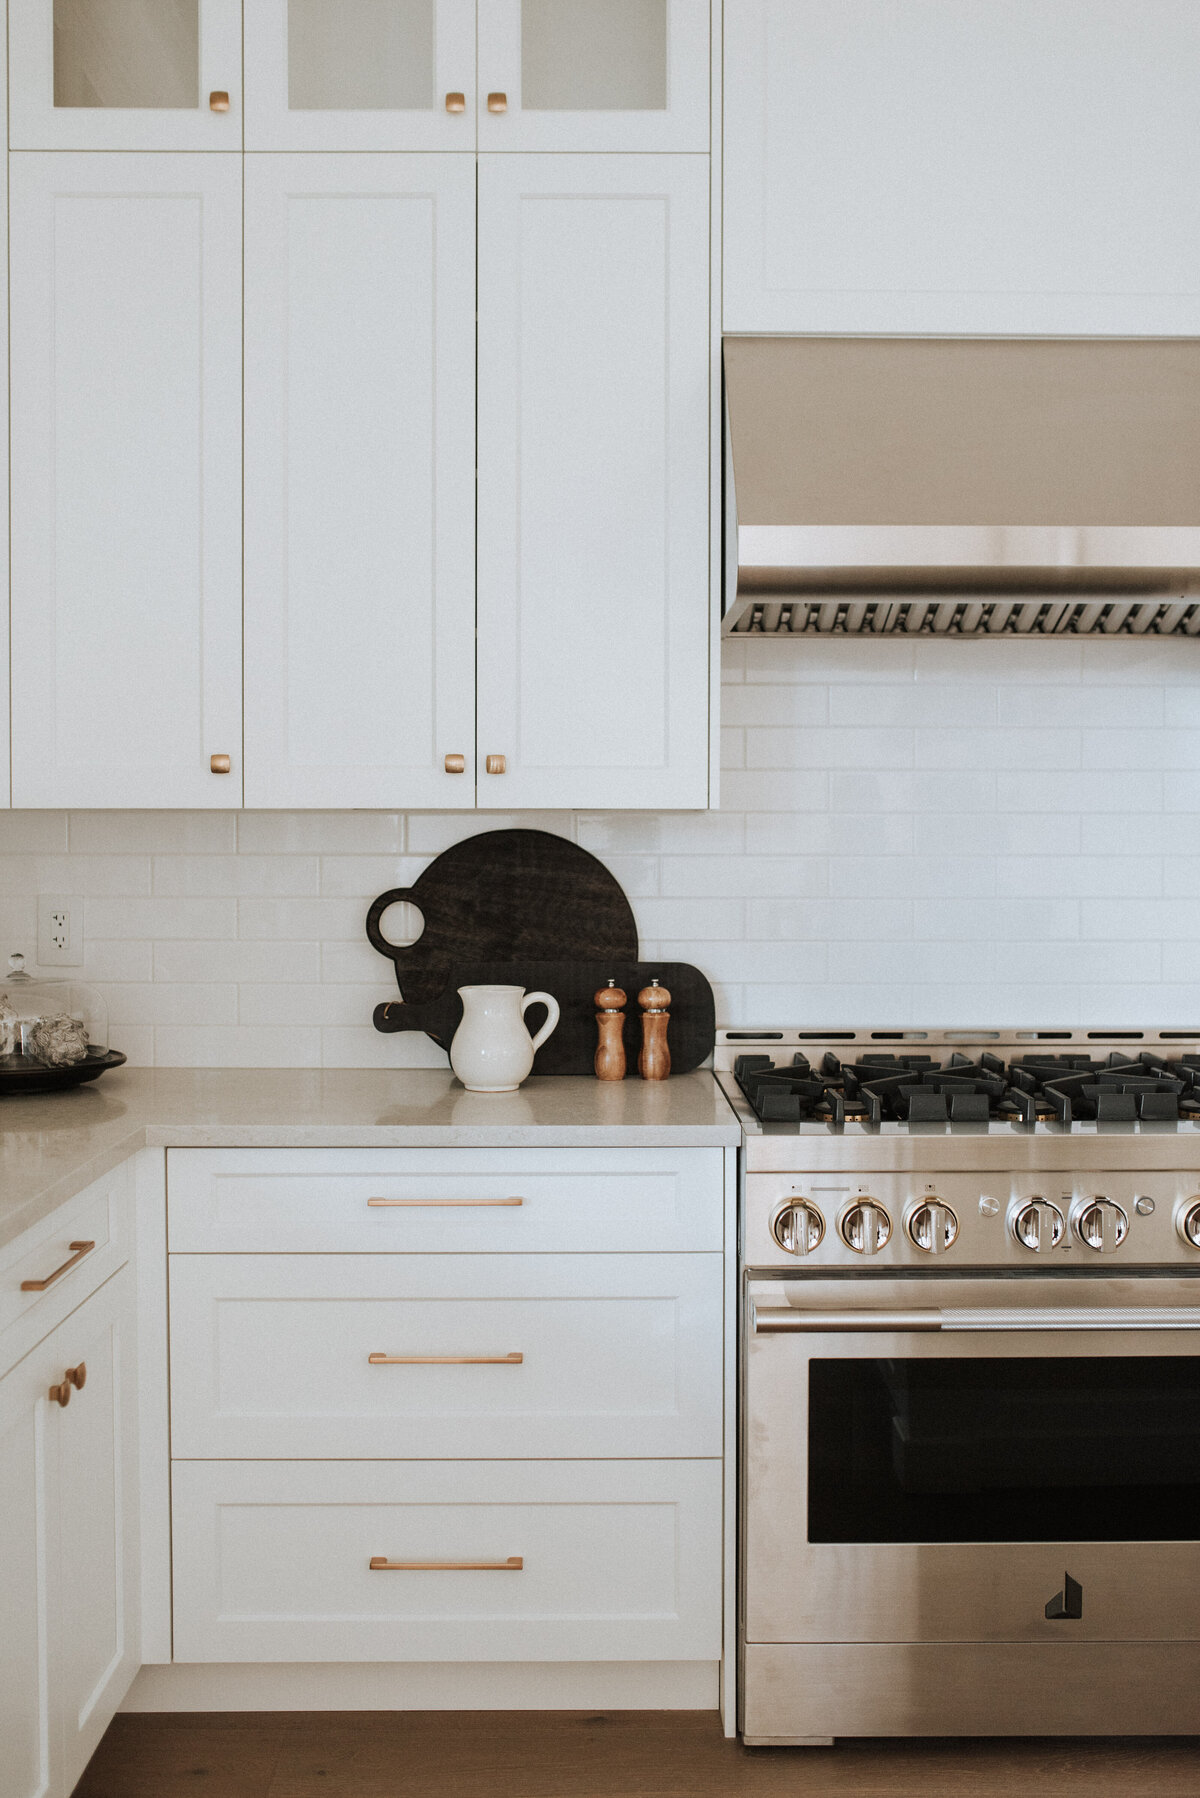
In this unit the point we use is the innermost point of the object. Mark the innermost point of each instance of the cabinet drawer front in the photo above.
(619, 1561)
(599, 1355)
(268, 1201)
(46, 1272)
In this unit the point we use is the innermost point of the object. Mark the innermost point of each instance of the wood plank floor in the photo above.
(618, 1754)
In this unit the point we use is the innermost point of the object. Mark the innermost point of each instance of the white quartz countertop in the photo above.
(52, 1145)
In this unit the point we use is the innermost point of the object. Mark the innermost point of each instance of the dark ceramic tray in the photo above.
(19, 1075)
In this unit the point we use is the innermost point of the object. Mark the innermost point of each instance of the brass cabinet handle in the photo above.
(456, 764)
(381, 1564)
(422, 1202)
(218, 101)
(456, 102)
(497, 102)
(513, 1360)
(61, 1394)
(80, 1250)
(219, 764)
(495, 764)
(77, 1376)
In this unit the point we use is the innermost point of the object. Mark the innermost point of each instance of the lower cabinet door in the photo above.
(474, 1561)
(30, 1740)
(461, 1356)
(95, 1479)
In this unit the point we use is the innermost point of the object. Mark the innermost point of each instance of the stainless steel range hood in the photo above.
(963, 485)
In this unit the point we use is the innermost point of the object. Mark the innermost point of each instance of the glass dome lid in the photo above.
(47, 1023)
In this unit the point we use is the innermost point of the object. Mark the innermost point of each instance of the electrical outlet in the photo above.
(60, 931)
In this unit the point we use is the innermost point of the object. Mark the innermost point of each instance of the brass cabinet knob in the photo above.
(497, 102)
(456, 102)
(456, 764)
(495, 764)
(77, 1376)
(219, 764)
(61, 1394)
(218, 101)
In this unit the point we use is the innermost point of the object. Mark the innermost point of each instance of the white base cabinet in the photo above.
(69, 1585)
(485, 1561)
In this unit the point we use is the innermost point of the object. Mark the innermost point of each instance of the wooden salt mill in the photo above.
(610, 1022)
(654, 1062)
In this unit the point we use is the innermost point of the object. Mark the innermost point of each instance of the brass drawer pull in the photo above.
(513, 1360)
(456, 764)
(77, 1376)
(416, 1202)
(220, 764)
(80, 1250)
(381, 1564)
(218, 100)
(61, 1394)
(456, 102)
(497, 103)
(495, 764)
(74, 1376)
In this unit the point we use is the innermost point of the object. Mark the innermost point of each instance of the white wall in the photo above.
(944, 833)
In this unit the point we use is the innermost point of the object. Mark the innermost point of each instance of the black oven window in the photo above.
(1093, 1449)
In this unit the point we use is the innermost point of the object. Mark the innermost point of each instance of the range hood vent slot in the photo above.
(963, 486)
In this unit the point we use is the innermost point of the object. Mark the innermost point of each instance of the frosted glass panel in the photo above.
(127, 53)
(593, 55)
(360, 55)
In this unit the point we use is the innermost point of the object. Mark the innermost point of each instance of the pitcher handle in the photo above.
(552, 1014)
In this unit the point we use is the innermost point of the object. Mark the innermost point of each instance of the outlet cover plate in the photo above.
(59, 930)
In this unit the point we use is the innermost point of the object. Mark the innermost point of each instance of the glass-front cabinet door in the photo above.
(360, 75)
(593, 75)
(125, 74)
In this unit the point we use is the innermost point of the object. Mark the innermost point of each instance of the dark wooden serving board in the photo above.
(571, 1049)
(506, 896)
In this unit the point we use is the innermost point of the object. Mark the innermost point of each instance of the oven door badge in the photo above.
(1066, 1605)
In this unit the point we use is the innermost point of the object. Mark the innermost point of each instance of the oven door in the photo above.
(987, 1460)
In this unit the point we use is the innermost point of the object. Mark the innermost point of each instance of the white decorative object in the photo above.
(492, 1051)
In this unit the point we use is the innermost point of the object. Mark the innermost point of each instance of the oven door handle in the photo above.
(776, 1320)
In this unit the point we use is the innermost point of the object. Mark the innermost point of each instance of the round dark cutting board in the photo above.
(506, 896)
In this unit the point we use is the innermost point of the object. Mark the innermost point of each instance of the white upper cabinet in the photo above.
(360, 480)
(125, 301)
(126, 74)
(360, 75)
(593, 573)
(944, 166)
(594, 75)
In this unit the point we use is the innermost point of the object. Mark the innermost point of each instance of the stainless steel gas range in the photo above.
(970, 1382)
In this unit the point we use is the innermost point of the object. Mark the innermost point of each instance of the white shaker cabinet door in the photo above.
(126, 74)
(593, 481)
(594, 75)
(31, 1755)
(360, 489)
(126, 479)
(360, 75)
(961, 166)
(96, 1482)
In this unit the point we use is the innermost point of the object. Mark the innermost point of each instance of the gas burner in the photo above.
(1119, 1090)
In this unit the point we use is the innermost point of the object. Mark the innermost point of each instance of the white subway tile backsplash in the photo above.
(320, 833)
(236, 961)
(976, 833)
(236, 874)
(148, 920)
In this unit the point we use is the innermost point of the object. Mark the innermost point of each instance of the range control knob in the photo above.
(932, 1226)
(1189, 1223)
(798, 1227)
(1038, 1225)
(865, 1227)
(1101, 1224)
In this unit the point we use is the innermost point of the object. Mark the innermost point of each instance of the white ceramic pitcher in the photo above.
(492, 1051)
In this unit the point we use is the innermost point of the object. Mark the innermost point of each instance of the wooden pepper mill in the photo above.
(610, 1022)
(654, 1062)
